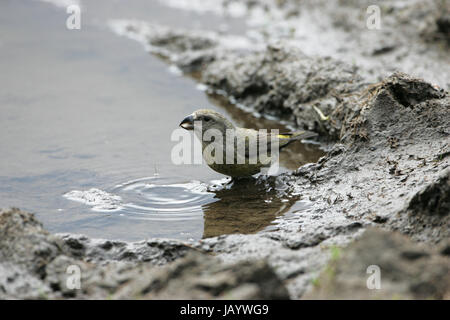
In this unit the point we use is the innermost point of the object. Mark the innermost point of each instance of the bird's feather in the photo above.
(256, 139)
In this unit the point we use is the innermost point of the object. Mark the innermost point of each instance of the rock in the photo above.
(295, 265)
(434, 199)
(201, 277)
(393, 108)
(26, 249)
(437, 24)
(38, 265)
(24, 242)
(154, 251)
(427, 216)
(443, 25)
(407, 270)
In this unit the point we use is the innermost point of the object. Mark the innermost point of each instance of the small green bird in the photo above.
(233, 151)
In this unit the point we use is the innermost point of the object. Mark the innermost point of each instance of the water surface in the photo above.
(86, 109)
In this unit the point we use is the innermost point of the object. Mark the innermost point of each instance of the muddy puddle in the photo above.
(85, 126)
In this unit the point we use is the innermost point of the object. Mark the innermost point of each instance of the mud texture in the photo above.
(387, 168)
(281, 81)
(406, 270)
(37, 265)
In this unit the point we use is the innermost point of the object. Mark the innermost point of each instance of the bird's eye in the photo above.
(207, 119)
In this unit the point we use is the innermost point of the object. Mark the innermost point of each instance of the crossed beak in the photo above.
(188, 123)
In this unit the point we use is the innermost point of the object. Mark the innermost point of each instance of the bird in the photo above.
(234, 151)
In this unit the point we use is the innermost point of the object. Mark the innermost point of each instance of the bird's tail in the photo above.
(294, 136)
(297, 135)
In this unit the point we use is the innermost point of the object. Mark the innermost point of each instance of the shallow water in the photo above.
(86, 109)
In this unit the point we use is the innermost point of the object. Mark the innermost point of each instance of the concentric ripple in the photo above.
(153, 199)
(150, 198)
(164, 207)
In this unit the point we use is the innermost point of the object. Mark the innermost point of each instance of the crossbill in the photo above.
(233, 151)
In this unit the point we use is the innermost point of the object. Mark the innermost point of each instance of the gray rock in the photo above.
(24, 242)
(202, 277)
(154, 251)
(36, 265)
(407, 270)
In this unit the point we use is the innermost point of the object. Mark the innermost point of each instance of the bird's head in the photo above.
(209, 119)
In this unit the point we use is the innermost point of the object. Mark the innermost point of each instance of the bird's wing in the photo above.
(250, 143)
(257, 138)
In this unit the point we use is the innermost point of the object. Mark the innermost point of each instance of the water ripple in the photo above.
(150, 198)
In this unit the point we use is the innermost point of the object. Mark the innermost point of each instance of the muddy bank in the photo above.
(387, 168)
(305, 63)
(37, 265)
(390, 165)
(391, 172)
(406, 270)
(275, 79)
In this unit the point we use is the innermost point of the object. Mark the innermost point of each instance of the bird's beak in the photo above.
(188, 123)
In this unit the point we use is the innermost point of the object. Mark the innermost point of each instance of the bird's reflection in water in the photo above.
(246, 206)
